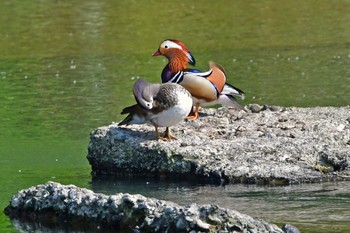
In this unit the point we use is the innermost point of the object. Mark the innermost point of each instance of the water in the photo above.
(68, 67)
(311, 207)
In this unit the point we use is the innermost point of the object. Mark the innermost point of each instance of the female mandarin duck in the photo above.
(206, 88)
(161, 105)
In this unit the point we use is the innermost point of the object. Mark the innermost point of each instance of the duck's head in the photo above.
(175, 50)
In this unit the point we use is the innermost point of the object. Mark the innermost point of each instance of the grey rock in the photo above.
(69, 205)
(279, 146)
(255, 108)
(287, 228)
(275, 108)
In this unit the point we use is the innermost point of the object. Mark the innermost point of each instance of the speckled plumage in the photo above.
(161, 105)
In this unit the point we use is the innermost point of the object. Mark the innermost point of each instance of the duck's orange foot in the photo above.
(193, 114)
(167, 136)
(192, 117)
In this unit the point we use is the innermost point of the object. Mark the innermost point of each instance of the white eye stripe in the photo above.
(170, 44)
(189, 57)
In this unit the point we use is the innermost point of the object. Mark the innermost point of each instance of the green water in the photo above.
(67, 67)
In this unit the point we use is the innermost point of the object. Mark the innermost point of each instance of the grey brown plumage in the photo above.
(161, 105)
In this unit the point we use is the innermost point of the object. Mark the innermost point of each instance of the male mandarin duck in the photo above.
(206, 88)
(161, 105)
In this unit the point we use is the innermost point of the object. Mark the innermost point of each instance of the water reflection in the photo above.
(29, 226)
(310, 207)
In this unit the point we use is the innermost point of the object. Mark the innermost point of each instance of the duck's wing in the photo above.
(199, 86)
(232, 91)
(199, 72)
(218, 76)
(205, 85)
(144, 94)
(136, 115)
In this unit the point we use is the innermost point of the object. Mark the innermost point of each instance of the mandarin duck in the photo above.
(206, 88)
(161, 105)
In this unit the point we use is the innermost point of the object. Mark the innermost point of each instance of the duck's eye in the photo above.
(166, 46)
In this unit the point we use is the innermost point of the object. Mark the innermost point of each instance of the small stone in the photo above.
(128, 200)
(15, 202)
(189, 219)
(214, 219)
(255, 108)
(181, 223)
(202, 225)
(287, 127)
(233, 228)
(341, 127)
(348, 120)
(265, 107)
(274, 108)
(288, 228)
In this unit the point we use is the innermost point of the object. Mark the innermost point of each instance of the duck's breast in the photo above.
(177, 112)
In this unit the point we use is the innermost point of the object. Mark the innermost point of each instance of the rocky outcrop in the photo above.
(52, 204)
(265, 145)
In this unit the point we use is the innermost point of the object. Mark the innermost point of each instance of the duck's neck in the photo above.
(178, 61)
(167, 74)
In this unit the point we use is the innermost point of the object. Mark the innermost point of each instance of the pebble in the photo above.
(202, 225)
(288, 228)
(255, 108)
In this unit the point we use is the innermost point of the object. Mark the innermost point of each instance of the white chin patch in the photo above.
(146, 104)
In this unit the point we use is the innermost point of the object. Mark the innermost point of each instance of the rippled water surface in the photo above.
(67, 67)
(311, 207)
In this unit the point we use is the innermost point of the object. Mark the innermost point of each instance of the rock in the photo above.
(255, 108)
(275, 108)
(273, 146)
(53, 204)
(287, 228)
